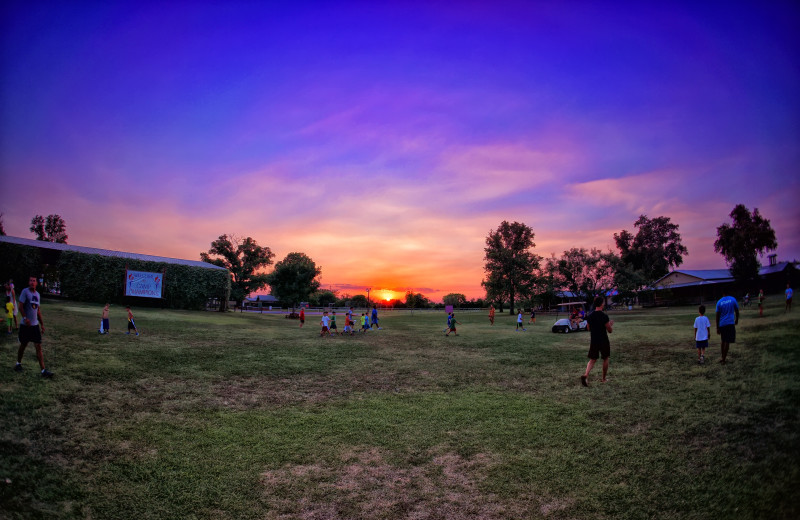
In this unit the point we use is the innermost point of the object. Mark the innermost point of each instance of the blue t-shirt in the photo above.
(789, 293)
(726, 309)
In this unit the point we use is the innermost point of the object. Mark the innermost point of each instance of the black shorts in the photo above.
(728, 333)
(599, 350)
(131, 325)
(30, 334)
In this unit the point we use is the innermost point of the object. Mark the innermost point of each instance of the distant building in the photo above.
(687, 286)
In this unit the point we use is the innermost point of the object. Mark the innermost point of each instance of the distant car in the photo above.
(564, 326)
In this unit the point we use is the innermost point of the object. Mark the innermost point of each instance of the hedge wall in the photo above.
(101, 279)
(19, 263)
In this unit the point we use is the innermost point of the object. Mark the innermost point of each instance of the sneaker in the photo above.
(46, 373)
(18, 367)
(128, 332)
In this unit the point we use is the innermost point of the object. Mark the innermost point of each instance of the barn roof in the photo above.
(105, 252)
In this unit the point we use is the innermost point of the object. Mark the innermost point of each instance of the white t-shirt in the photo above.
(519, 318)
(701, 324)
(325, 320)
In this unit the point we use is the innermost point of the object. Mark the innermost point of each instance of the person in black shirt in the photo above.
(599, 326)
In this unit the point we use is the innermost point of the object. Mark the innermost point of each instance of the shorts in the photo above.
(452, 328)
(9, 321)
(701, 344)
(30, 334)
(324, 329)
(333, 326)
(602, 350)
(131, 325)
(728, 333)
(105, 324)
(788, 301)
(374, 321)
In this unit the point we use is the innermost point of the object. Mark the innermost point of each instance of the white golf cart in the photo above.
(565, 325)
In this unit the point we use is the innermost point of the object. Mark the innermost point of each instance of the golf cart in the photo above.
(565, 325)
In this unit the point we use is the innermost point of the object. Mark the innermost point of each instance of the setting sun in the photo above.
(387, 295)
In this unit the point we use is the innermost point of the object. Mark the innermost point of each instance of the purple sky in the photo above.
(385, 140)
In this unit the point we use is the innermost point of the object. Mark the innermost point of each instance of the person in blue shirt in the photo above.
(789, 293)
(375, 318)
(727, 318)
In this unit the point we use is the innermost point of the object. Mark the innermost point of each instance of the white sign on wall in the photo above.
(145, 285)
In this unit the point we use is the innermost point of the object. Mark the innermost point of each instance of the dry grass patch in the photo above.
(366, 483)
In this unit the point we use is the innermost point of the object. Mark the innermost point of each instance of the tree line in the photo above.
(515, 273)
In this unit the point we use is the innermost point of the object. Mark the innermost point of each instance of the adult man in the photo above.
(599, 326)
(375, 318)
(727, 318)
(32, 326)
(789, 293)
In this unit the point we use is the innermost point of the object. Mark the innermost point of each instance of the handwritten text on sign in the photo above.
(146, 285)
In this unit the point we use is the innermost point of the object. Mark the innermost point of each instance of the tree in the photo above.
(417, 300)
(323, 298)
(509, 262)
(294, 278)
(584, 272)
(750, 235)
(2, 229)
(243, 258)
(457, 300)
(654, 249)
(359, 301)
(50, 229)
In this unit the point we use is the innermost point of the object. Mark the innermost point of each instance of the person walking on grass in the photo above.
(702, 330)
(533, 316)
(761, 302)
(789, 293)
(375, 318)
(32, 326)
(333, 328)
(449, 319)
(104, 327)
(453, 323)
(599, 326)
(727, 318)
(519, 321)
(131, 324)
(325, 322)
(364, 322)
(302, 316)
(491, 315)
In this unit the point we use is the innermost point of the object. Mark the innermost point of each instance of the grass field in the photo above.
(209, 415)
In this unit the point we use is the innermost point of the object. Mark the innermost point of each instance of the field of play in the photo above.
(212, 415)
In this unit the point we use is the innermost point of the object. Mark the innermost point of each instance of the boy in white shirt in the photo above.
(702, 328)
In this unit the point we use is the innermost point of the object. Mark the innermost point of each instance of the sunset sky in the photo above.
(386, 139)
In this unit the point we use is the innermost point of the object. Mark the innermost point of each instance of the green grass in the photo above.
(209, 415)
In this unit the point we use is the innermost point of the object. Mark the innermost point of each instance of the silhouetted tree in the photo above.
(50, 229)
(740, 243)
(294, 278)
(243, 258)
(510, 263)
(654, 249)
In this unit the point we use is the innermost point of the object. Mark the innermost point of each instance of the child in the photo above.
(519, 321)
(365, 323)
(761, 302)
(104, 328)
(9, 313)
(702, 328)
(302, 317)
(324, 322)
(491, 315)
(452, 325)
(449, 318)
(131, 324)
(334, 330)
(347, 328)
(533, 316)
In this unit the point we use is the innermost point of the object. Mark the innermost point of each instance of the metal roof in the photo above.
(105, 252)
(711, 276)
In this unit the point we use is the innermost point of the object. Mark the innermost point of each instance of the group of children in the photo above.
(104, 322)
(328, 323)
